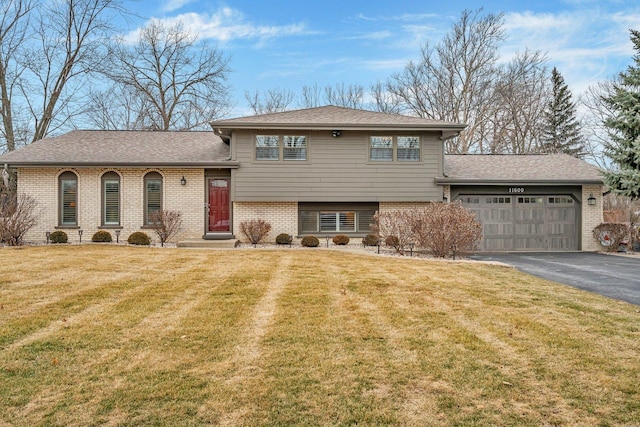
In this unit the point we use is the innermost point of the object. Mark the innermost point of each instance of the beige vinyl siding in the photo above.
(337, 170)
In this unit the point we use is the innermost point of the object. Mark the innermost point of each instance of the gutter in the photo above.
(168, 165)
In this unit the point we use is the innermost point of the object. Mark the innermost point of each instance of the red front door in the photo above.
(218, 205)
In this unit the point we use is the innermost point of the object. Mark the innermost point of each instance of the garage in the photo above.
(532, 202)
(546, 222)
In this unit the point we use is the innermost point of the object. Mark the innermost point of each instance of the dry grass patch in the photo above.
(118, 335)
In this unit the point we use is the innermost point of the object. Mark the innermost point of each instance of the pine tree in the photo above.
(624, 129)
(561, 133)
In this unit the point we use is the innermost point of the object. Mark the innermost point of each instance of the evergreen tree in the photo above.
(561, 132)
(624, 129)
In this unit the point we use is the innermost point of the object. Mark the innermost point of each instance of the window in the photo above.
(295, 148)
(110, 199)
(408, 149)
(332, 218)
(152, 195)
(389, 148)
(381, 148)
(267, 147)
(68, 199)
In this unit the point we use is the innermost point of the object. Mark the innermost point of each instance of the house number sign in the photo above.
(516, 189)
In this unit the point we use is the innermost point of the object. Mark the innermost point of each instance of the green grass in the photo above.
(95, 335)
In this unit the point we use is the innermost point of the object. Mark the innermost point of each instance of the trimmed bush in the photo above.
(310, 242)
(370, 240)
(58, 236)
(139, 238)
(392, 241)
(283, 239)
(341, 240)
(101, 236)
(255, 230)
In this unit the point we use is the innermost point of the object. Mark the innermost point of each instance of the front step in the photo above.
(212, 244)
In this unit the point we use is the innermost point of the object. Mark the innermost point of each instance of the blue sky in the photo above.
(288, 44)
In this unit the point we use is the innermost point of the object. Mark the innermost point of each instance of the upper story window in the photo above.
(110, 199)
(293, 147)
(389, 148)
(267, 147)
(68, 187)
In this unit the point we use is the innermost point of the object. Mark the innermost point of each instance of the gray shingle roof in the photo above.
(332, 117)
(550, 168)
(123, 148)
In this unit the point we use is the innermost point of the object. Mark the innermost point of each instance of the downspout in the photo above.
(5, 175)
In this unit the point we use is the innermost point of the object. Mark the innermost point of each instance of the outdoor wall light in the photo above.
(336, 133)
(183, 180)
(445, 199)
(591, 200)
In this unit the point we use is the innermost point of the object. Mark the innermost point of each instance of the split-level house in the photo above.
(319, 171)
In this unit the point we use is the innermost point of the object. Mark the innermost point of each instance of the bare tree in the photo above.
(118, 108)
(595, 111)
(453, 80)
(341, 95)
(310, 97)
(181, 83)
(522, 92)
(48, 51)
(17, 216)
(270, 101)
(383, 101)
(166, 224)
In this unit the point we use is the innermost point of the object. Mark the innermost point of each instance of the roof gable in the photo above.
(332, 117)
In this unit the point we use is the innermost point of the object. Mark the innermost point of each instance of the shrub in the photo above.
(444, 228)
(394, 224)
(165, 224)
(58, 236)
(18, 214)
(139, 238)
(370, 240)
(101, 236)
(284, 239)
(341, 240)
(255, 230)
(610, 234)
(310, 242)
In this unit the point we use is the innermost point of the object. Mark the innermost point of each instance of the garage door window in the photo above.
(498, 200)
(530, 200)
(561, 200)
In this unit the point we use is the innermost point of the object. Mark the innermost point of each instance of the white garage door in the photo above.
(525, 223)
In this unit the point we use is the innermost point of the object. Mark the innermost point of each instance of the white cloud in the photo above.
(585, 45)
(228, 24)
(171, 5)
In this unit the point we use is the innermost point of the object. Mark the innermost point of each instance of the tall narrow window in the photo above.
(267, 147)
(295, 148)
(152, 195)
(111, 199)
(68, 199)
(408, 148)
(381, 148)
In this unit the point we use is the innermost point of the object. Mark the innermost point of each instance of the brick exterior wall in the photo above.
(283, 217)
(591, 216)
(43, 185)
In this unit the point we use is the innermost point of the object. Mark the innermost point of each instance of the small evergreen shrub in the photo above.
(310, 242)
(341, 240)
(370, 240)
(58, 236)
(283, 239)
(101, 236)
(139, 238)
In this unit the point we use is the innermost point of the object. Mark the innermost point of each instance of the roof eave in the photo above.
(445, 180)
(169, 165)
(337, 126)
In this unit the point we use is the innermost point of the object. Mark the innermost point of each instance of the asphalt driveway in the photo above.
(613, 276)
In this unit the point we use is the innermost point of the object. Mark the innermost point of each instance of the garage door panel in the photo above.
(525, 223)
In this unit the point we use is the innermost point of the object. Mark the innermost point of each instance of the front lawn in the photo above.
(94, 335)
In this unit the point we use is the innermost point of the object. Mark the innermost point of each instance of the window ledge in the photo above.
(67, 227)
(110, 227)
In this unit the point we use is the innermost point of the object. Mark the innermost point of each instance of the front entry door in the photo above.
(219, 205)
